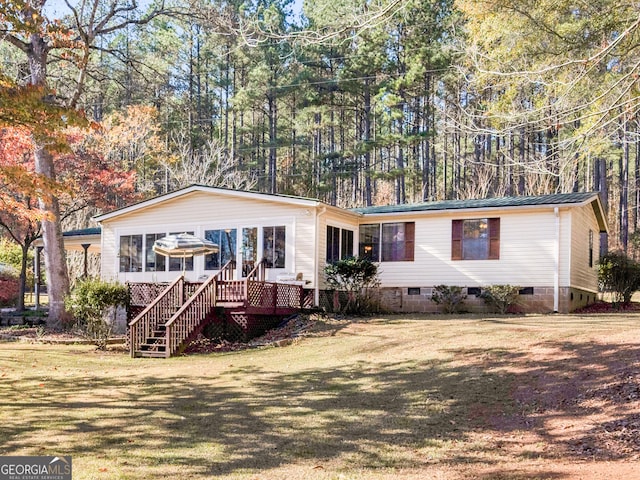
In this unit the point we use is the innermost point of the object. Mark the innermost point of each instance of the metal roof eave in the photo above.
(594, 200)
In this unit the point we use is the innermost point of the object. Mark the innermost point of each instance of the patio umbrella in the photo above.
(183, 245)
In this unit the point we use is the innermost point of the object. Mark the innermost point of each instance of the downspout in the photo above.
(316, 263)
(556, 275)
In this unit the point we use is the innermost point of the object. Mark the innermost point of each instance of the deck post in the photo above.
(85, 248)
(275, 298)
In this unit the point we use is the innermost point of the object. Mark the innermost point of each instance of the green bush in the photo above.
(500, 297)
(450, 298)
(355, 281)
(11, 255)
(94, 303)
(619, 275)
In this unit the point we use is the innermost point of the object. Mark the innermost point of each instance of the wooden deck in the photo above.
(165, 318)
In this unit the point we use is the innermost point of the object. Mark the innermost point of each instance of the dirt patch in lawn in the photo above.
(585, 410)
(574, 405)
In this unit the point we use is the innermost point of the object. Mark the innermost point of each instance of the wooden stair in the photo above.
(166, 326)
(175, 318)
(154, 346)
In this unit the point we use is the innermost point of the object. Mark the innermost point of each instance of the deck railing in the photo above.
(272, 297)
(156, 313)
(259, 272)
(235, 291)
(195, 310)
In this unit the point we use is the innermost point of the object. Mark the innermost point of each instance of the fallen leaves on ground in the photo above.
(284, 334)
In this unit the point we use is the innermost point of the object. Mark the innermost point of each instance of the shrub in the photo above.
(94, 304)
(500, 297)
(9, 287)
(357, 278)
(11, 256)
(451, 299)
(619, 275)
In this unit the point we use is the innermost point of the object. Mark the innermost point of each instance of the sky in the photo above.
(57, 8)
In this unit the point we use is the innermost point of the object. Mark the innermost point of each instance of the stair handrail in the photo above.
(182, 324)
(259, 272)
(227, 272)
(147, 320)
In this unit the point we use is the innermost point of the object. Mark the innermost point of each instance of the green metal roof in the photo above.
(82, 232)
(500, 202)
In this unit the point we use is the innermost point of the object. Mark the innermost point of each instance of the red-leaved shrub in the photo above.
(9, 289)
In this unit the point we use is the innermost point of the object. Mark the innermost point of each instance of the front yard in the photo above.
(395, 397)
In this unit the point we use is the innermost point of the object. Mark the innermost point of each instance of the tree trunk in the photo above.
(624, 191)
(273, 141)
(23, 277)
(55, 262)
(368, 196)
(54, 258)
(603, 188)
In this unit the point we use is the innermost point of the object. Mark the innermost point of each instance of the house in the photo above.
(547, 245)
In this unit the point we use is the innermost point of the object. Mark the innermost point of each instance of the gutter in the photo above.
(316, 270)
(556, 274)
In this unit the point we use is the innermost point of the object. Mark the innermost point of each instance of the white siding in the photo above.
(528, 252)
(108, 258)
(583, 276)
(200, 211)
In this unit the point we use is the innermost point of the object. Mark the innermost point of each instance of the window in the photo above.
(249, 250)
(339, 244)
(397, 242)
(226, 239)
(333, 244)
(273, 246)
(152, 261)
(475, 239)
(477, 291)
(369, 245)
(131, 253)
(590, 248)
(346, 247)
(387, 242)
(179, 264)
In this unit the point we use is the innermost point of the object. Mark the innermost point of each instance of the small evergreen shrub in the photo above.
(94, 304)
(355, 281)
(619, 275)
(450, 298)
(500, 297)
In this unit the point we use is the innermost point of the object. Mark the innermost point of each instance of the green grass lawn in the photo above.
(393, 397)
